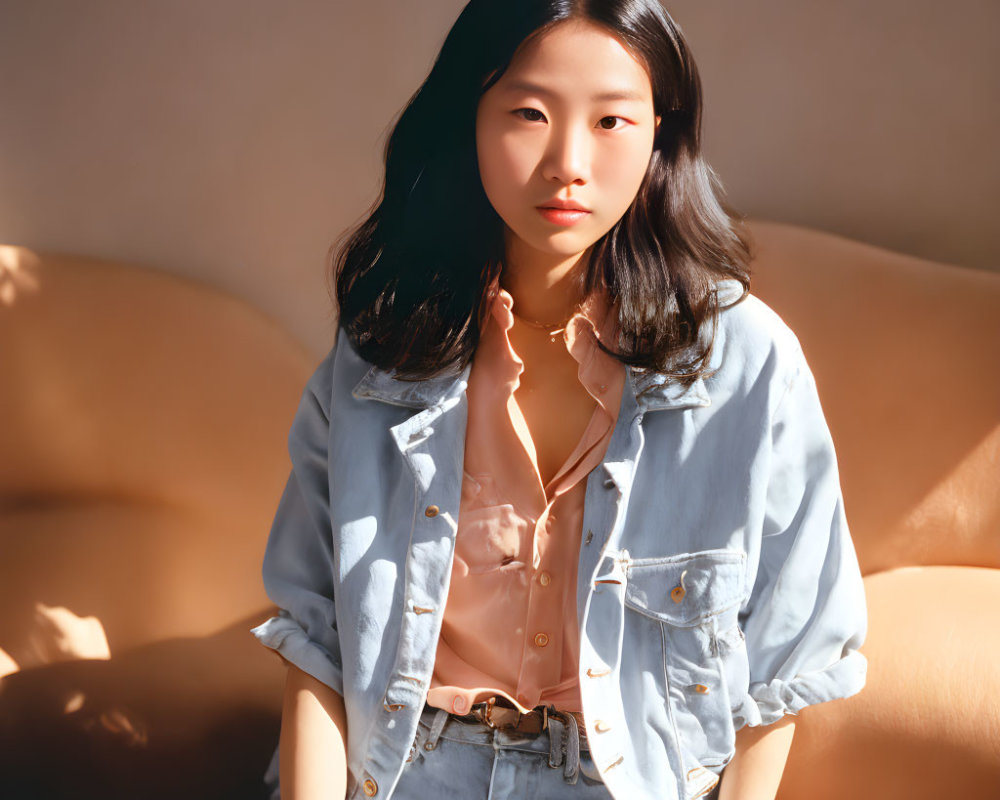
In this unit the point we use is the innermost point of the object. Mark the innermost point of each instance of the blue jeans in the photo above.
(452, 759)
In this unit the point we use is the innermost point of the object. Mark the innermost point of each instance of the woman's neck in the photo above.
(546, 287)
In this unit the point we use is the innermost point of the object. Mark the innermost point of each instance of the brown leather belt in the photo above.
(497, 713)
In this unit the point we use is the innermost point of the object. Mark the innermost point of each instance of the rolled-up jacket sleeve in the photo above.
(298, 569)
(806, 615)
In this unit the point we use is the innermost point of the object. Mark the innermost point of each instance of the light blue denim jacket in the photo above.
(718, 585)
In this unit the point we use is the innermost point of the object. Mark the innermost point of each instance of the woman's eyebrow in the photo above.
(609, 94)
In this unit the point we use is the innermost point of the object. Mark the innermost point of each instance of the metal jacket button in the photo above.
(701, 688)
(677, 594)
(431, 511)
(370, 787)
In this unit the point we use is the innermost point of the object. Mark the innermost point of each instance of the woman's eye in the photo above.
(530, 114)
(609, 123)
(612, 126)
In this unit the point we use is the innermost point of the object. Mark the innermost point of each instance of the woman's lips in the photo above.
(562, 216)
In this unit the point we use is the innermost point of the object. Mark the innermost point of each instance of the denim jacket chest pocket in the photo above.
(694, 600)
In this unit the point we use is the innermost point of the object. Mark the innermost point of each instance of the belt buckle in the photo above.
(487, 715)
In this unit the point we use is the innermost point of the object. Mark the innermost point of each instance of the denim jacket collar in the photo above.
(379, 384)
(653, 390)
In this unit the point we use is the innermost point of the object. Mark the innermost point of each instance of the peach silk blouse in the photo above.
(510, 623)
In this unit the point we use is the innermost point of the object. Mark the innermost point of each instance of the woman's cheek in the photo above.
(498, 166)
(514, 157)
(623, 180)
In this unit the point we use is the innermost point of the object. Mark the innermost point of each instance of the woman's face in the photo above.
(570, 120)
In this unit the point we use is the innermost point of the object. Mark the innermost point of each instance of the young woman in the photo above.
(564, 516)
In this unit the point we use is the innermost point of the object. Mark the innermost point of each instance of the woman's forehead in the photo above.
(576, 57)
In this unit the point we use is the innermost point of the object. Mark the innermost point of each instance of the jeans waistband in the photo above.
(563, 736)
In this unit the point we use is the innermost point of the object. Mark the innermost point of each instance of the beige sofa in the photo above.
(906, 357)
(143, 428)
(143, 453)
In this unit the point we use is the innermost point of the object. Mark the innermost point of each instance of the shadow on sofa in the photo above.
(181, 717)
(144, 429)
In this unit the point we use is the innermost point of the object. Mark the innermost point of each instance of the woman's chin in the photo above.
(562, 244)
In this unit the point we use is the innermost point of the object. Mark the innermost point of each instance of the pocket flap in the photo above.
(683, 590)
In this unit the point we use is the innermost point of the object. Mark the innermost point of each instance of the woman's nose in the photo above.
(567, 156)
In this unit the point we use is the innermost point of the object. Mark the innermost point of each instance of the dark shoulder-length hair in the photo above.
(412, 278)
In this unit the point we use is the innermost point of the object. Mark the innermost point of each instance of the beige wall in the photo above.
(874, 119)
(232, 141)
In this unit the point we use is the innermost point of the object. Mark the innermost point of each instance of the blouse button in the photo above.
(370, 787)
(545, 579)
(541, 639)
(431, 511)
(677, 594)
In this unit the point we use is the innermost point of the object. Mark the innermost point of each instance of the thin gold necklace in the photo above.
(552, 330)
